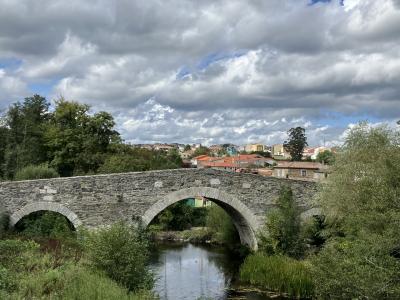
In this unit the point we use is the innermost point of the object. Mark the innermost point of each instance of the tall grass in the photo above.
(278, 273)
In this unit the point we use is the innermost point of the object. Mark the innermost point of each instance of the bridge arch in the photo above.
(45, 206)
(242, 217)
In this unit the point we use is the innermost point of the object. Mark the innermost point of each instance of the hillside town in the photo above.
(256, 158)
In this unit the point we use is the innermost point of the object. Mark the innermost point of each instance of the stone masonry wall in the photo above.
(104, 199)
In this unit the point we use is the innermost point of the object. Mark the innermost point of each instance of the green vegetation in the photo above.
(37, 142)
(221, 227)
(4, 219)
(353, 248)
(360, 259)
(180, 216)
(296, 143)
(124, 158)
(278, 273)
(282, 230)
(35, 172)
(121, 252)
(327, 157)
(45, 224)
(182, 222)
(99, 265)
(202, 150)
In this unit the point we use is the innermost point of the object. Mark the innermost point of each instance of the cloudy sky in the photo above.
(209, 71)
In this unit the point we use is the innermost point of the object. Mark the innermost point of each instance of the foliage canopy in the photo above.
(296, 143)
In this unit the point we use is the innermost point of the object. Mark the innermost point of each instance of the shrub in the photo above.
(35, 172)
(121, 251)
(85, 284)
(15, 253)
(282, 230)
(278, 273)
(27, 273)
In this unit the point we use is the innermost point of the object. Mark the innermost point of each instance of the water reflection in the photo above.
(186, 271)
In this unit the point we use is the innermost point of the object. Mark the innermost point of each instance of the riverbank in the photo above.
(195, 235)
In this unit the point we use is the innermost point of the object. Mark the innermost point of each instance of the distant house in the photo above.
(164, 147)
(214, 149)
(231, 150)
(313, 152)
(200, 160)
(198, 202)
(186, 154)
(254, 148)
(279, 152)
(300, 170)
(234, 163)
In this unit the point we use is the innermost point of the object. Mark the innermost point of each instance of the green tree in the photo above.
(125, 158)
(296, 143)
(78, 142)
(282, 231)
(187, 148)
(3, 147)
(24, 143)
(326, 157)
(360, 200)
(202, 150)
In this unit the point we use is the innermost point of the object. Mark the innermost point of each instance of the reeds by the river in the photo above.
(278, 273)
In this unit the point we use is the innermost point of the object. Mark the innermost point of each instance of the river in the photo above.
(187, 271)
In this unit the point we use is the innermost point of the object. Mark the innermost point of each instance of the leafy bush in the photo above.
(35, 172)
(357, 269)
(278, 273)
(121, 252)
(282, 230)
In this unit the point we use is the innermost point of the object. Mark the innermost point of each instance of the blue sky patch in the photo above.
(42, 88)
(10, 64)
(336, 119)
(214, 57)
(325, 1)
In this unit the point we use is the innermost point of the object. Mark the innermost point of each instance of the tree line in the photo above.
(69, 140)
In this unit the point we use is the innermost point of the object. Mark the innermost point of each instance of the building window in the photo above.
(303, 173)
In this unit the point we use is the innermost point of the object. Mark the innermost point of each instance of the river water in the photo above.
(187, 271)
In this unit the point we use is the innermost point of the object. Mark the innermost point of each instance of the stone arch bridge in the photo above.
(100, 200)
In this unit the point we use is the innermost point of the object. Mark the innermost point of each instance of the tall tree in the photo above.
(25, 124)
(296, 143)
(77, 142)
(3, 146)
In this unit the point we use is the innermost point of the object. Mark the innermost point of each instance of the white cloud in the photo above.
(222, 71)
